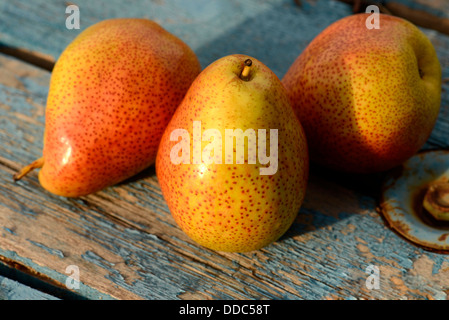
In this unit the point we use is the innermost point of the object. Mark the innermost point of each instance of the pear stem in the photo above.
(25, 170)
(245, 72)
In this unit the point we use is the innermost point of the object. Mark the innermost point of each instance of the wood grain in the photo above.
(124, 240)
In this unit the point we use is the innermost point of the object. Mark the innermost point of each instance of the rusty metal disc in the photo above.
(402, 200)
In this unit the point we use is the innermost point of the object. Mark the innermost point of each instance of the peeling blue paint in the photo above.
(9, 230)
(52, 251)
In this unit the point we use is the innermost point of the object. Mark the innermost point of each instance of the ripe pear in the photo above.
(368, 99)
(112, 92)
(223, 198)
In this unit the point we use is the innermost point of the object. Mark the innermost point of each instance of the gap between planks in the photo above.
(34, 58)
(27, 276)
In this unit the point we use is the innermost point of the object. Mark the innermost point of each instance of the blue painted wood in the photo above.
(124, 240)
(13, 290)
(274, 31)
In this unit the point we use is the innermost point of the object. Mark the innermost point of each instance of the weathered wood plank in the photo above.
(13, 290)
(124, 240)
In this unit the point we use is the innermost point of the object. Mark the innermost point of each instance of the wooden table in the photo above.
(123, 240)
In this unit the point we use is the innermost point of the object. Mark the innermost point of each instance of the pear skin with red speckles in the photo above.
(112, 93)
(233, 161)
(368, 99)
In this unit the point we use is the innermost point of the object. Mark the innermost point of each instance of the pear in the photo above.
(233, 161)
(368, 98)
(112, 92)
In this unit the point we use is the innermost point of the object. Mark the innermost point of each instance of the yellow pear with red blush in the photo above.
(112, 93)
(233, 161)
(368, 98)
